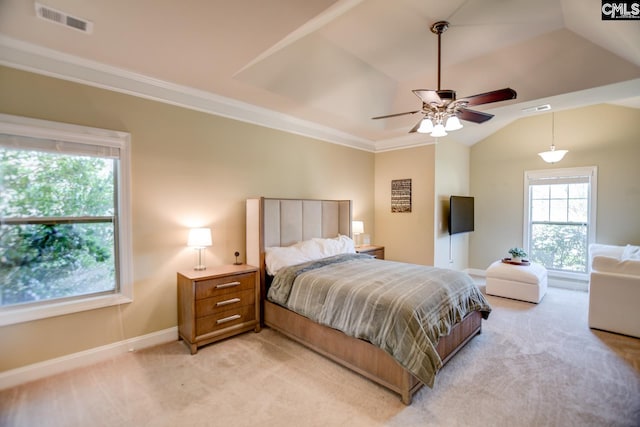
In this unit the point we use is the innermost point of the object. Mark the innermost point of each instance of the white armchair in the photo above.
(614, 289)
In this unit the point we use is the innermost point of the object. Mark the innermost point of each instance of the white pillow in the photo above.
(277, 257)
(630, 252)
(338, 245)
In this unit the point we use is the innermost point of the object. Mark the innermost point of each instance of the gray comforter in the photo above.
(402, 308)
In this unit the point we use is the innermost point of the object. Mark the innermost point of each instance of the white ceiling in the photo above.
(324, 67)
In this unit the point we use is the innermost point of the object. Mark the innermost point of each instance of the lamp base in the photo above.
(200, 266)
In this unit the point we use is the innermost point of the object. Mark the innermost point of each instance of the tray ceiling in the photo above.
(325, 67)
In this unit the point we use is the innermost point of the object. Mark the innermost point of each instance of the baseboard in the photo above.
(476, 272)
(574, 285)
(44, 369)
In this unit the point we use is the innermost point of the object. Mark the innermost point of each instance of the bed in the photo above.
(288, 223)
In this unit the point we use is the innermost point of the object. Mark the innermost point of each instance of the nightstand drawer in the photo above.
(208, 306)
(378, 253)
(225, 285)
(225, 319)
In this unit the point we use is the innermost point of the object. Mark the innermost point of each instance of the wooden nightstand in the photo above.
(217, 303)
(376, 251)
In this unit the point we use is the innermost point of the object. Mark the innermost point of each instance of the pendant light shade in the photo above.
(553, 155)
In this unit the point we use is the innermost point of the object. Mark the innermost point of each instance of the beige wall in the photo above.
(188, 169)
(605, 136)
(452, 178)
(407, 237)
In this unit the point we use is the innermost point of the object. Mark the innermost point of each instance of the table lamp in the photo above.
(357, 228)
(199, 238)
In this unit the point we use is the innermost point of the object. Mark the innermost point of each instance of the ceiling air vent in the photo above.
(537, 108)
(52, 15)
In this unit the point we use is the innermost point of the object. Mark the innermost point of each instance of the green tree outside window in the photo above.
(57, 225)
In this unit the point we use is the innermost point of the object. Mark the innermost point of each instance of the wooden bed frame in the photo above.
(281, 222)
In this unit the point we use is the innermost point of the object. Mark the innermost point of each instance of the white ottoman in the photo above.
(522, 282)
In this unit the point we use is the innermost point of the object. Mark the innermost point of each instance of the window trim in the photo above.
(44, 129)
(590, 171)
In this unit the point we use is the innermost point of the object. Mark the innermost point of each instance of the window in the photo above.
(560, 218)
(64, 219)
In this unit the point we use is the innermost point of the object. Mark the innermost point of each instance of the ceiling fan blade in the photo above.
(428, 96)
(415, 128)
(489, 97)
(473, 116)
(394, 115)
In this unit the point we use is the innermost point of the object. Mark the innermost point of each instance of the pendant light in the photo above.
(553, 155)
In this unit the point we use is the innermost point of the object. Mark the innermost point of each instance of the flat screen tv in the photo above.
(460, 214)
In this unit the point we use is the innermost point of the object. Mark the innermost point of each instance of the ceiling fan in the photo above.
(442, 111)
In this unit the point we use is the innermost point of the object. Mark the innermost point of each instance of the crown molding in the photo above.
(411, 140)
(37, 59)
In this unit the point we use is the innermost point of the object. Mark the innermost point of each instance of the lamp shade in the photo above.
(199, 237)
(357, 227)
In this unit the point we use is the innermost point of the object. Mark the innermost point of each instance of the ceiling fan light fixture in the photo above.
(441, 108)
(453, 123)
(438, 131)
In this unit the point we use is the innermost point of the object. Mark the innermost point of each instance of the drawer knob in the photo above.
(227, 285)
(227, 302)
(228, 319)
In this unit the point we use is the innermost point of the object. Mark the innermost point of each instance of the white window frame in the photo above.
(43, 129)
(568, 173)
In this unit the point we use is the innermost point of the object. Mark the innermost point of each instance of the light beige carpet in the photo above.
(533, 365)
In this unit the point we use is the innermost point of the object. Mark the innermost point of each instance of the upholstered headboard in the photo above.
(283, 222)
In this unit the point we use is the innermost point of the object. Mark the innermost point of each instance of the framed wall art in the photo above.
(401, 195)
